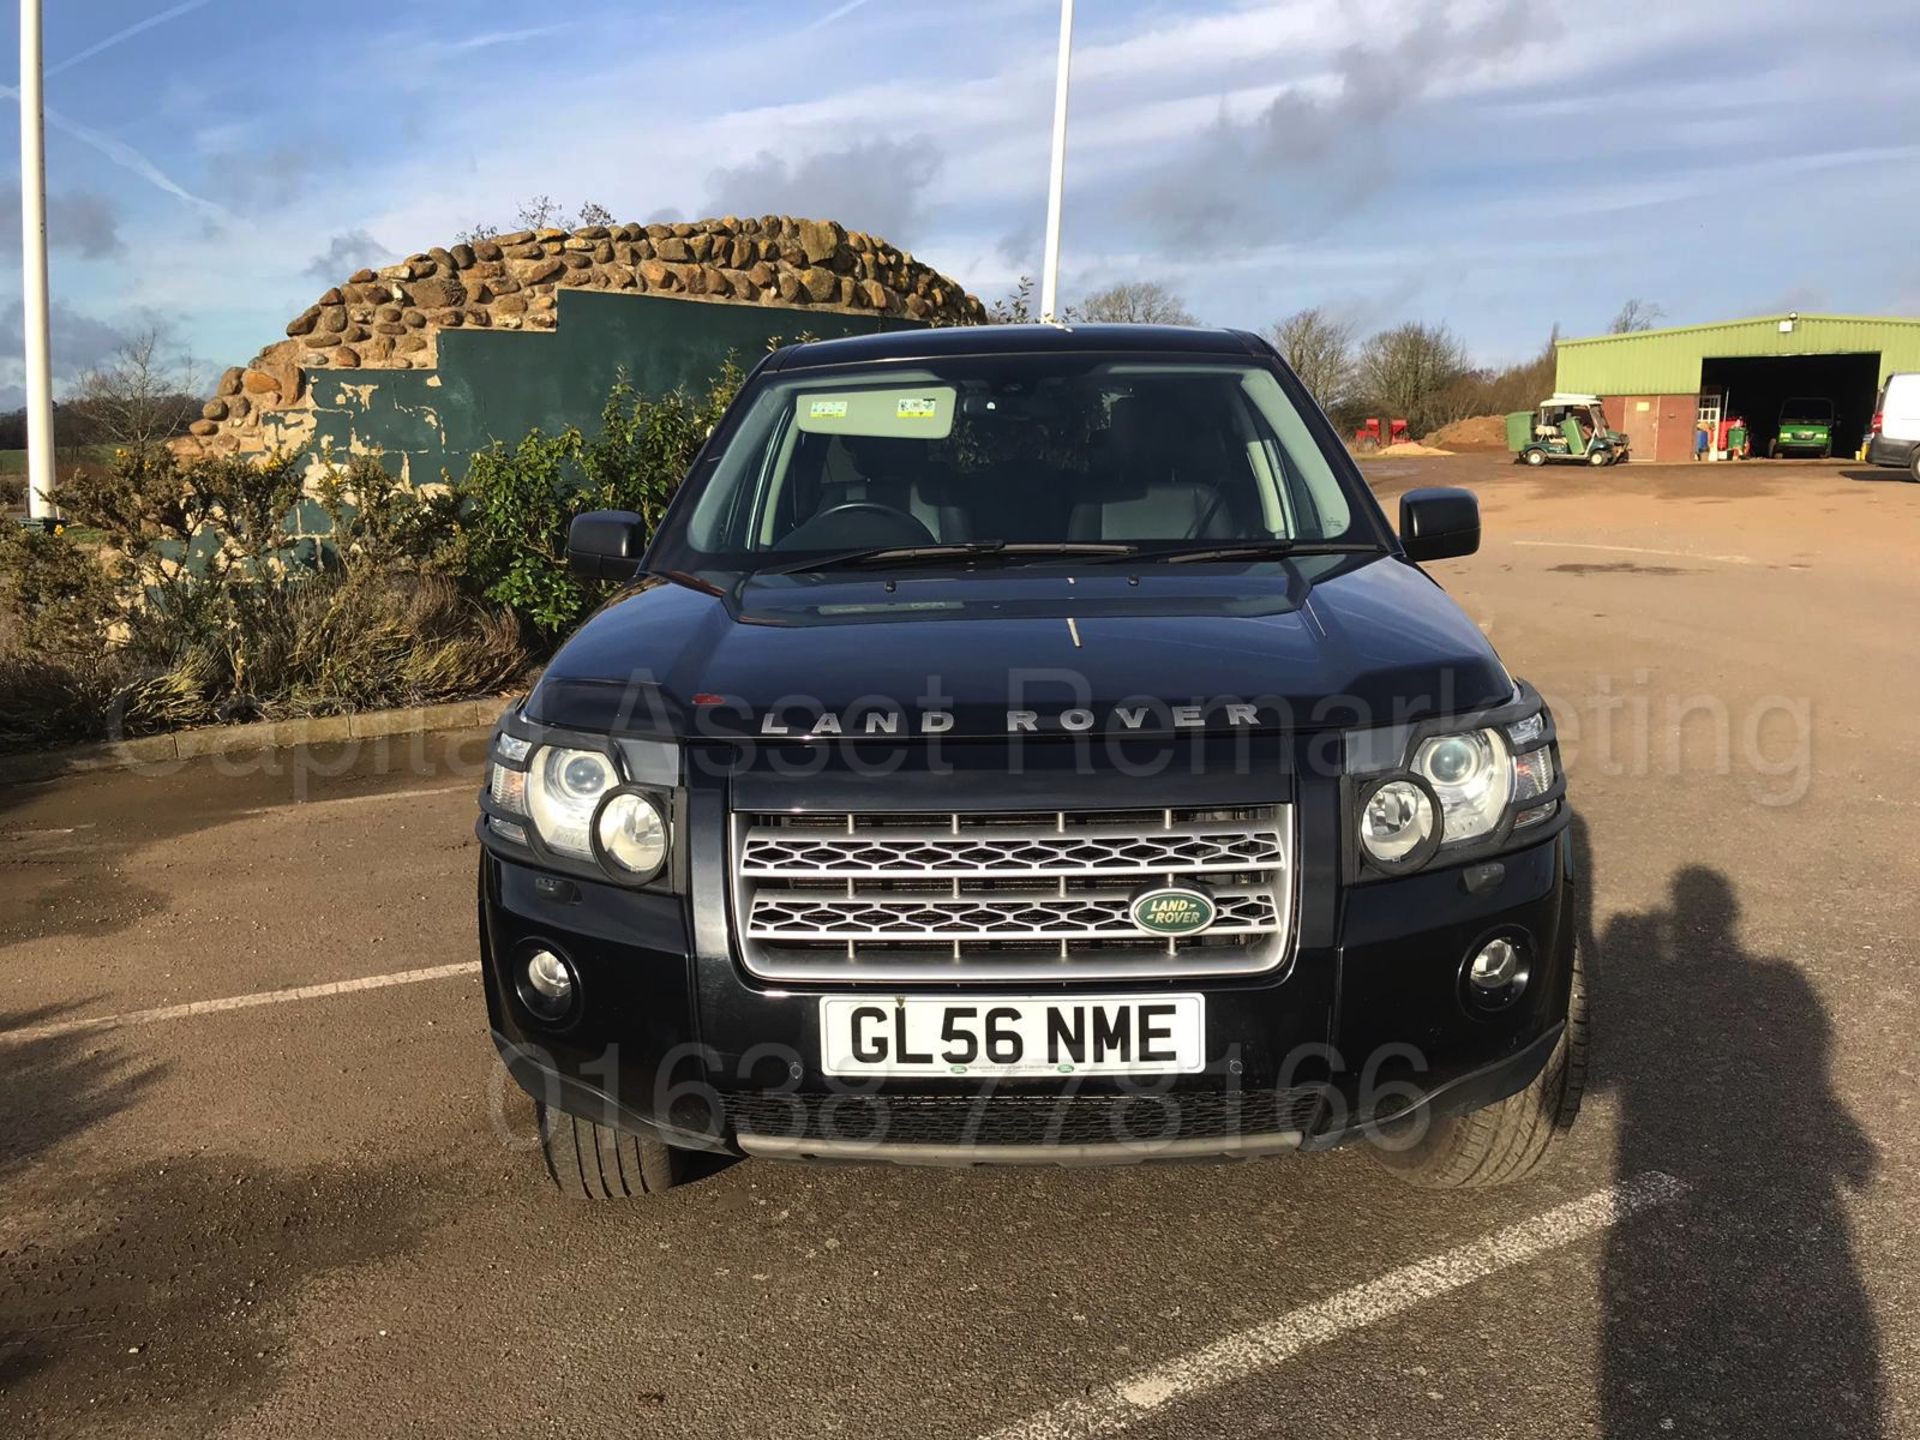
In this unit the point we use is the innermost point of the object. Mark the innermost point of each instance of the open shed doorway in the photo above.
(1757, 386)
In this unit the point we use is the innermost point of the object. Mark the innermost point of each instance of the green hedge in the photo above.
(204, 602)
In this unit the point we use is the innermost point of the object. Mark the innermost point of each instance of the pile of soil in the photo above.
(1477, 434)
(1411, 448)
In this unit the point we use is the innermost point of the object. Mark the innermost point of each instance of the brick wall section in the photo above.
(1663, 431)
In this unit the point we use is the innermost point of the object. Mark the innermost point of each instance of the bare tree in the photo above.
(1406, 372)
(1134, 302)
(543, 212)
(142, 394)
(1320, 350)
(1636, 315)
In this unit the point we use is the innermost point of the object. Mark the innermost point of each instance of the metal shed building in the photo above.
(1659, 384)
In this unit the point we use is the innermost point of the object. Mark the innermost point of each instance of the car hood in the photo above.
(1311, 642)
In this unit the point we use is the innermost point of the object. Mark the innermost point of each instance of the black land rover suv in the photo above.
(1030, 744)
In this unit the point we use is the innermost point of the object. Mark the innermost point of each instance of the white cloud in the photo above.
(1369, 152)
(874, 185)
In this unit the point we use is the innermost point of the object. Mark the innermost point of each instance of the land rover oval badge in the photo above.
(1173, 910)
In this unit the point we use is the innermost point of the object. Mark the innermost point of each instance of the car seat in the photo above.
(1162, 474)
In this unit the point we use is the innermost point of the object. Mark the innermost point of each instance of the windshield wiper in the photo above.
(1251, 550)
(905, 555)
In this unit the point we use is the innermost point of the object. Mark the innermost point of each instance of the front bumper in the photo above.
(675, 1040)
(1471, 1091)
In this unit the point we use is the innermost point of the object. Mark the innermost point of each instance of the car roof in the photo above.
(949, 341)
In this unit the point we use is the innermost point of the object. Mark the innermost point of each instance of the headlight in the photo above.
(563, 790)
(1472, 774)
(632, 834)
(1396, 821)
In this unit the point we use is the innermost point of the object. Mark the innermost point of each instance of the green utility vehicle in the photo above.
(1569, 428)
(1806, 428)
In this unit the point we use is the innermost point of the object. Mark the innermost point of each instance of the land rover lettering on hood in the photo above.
(1031, 745)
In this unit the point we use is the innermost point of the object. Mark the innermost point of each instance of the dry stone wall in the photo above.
(391, 318)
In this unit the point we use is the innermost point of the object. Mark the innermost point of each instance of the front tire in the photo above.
(1597, 458)
(1913, 465)
(589, 1161)
(1515, 1138)
(1536, 458)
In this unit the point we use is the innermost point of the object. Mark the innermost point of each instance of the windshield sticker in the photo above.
(923, 412)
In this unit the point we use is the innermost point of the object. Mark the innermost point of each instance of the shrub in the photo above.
(203, 606)
(13, 491)
(516, 504)
(55, 598)
(58, 674)
(377, 519)
(205, 603)
(364, 638)
(44, 701)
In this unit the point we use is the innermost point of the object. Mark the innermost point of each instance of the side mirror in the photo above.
(1439, 522)
(606, 544)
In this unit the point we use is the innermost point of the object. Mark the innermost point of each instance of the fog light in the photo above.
(546, 985)
(1496, 966)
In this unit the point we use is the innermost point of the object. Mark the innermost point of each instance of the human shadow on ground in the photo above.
(1743, 1312)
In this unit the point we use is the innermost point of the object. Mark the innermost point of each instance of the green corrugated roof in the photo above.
(1667, 362)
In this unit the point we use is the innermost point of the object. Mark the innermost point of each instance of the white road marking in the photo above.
(1113, 1408)
(239, 1002)
(52, 834)
(1636, 550)
(469, 787)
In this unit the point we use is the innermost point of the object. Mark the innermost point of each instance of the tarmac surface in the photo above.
(312, 1211)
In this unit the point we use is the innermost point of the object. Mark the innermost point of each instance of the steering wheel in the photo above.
(871, 507)
(858, 522)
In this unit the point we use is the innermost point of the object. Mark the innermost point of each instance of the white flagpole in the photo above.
(33, 262)
(1050, 264)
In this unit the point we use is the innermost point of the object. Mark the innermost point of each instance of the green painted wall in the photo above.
(498, 384)
(1667, 362)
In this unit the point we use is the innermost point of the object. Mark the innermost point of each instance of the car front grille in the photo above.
(1025, 1119)
(961, 897)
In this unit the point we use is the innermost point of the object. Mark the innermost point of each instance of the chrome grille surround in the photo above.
(995, 896)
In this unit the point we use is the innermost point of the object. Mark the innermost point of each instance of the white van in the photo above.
(1895, 438)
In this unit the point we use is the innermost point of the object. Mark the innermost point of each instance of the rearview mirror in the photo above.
(606, 544)
(1439, 522)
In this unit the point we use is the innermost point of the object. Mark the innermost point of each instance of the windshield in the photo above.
(1816, 411)
(1025, 457)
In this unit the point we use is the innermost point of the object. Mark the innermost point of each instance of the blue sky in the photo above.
(1500, 165)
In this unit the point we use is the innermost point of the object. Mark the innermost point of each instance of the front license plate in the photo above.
(1010, 1035)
